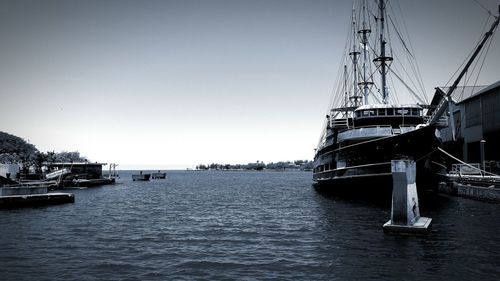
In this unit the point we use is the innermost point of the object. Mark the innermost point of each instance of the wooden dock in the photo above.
(33, 200)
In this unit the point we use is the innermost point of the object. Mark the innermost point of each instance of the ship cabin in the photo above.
(377, 121)
(384, 114)
(371, 122)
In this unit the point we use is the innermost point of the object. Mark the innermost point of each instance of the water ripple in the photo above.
(241, 226)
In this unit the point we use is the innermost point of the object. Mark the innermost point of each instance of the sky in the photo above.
(172, 84)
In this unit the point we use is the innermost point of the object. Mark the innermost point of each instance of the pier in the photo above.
(26, 196)
(405, 212)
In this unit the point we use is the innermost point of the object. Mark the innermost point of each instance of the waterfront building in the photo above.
(474, 117)
(84, 170)
(9, 171)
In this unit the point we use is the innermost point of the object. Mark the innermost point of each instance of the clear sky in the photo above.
(171, 84)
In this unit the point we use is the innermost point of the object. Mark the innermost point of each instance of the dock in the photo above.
(469, 181)
(29, 196)
(33, 200)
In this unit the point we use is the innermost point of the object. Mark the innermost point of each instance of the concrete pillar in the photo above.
(405, 212)
(483, 160)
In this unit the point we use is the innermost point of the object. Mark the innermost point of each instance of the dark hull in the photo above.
(141, 177)
(368, 164)
(159, 175)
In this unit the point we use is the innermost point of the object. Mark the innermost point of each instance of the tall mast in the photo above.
(382, 59)
(346, 98)
(364, 41)
(354, 56)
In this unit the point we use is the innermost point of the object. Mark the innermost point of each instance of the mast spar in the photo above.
(356, 99)
(383, 59)
(364, 32)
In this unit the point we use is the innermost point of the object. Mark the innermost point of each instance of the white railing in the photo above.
(366, 132)
(466, 169)
(57, 174)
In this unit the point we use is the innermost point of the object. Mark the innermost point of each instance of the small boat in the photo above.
(141, 177)
(58, 174)
(159, 175)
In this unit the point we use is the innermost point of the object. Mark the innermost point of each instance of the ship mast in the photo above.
(356, 99)
(383, 59)
(364, 41)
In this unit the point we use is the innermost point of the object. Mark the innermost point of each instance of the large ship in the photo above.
(367, 125)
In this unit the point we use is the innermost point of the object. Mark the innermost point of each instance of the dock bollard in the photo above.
(405, 213)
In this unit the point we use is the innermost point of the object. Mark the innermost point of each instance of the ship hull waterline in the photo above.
(368, 171)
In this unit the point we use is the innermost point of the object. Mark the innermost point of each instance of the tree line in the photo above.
(304, 165)
(15, 150)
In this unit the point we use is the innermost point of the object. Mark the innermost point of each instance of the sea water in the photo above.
(241, 225)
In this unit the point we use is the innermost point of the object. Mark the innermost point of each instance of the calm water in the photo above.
(243, 226)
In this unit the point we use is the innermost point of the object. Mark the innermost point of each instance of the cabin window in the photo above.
(365, 112)
(381, 112)
(414, 111)
(373, 113)
(390, 111)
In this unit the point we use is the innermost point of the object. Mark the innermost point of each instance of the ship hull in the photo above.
(365, 167)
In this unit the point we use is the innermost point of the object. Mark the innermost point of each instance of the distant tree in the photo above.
(51, 157)
(72, 156)
(14, 149)
(256, 166)
(39, 159)
(259, 165)
(201, 167)
(307, 165)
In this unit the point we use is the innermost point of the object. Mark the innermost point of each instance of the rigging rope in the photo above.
(464, 163)
(484, 59)
(481, 5)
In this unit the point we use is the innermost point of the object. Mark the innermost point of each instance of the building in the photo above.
(474, 117)
(9, 171)
(84, 170)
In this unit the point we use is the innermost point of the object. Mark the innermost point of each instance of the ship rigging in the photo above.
(370, 123)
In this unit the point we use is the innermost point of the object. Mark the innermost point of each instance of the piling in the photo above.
(405, 212)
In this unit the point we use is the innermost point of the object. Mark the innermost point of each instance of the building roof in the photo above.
(483, 90)
(462, 92)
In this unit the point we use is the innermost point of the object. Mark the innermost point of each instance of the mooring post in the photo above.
(405, 212)
(483, 158)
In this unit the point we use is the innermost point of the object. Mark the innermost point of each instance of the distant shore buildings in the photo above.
(303, 165)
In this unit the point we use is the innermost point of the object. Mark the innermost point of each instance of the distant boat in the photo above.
(159, 175)
(365, 129)
(141, 177)
(58, 174)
